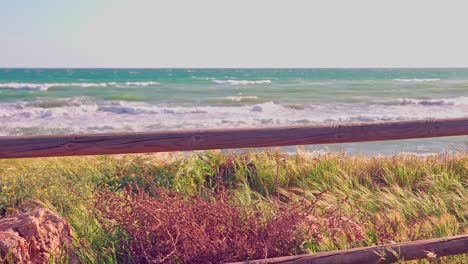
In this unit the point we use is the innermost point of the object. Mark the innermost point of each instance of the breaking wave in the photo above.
(416, 80)
(83, 115)
(241, 82)
(430, 102)
(45, 86)
(241, 98)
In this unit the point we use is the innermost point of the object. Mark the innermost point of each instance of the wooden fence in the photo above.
(420, 249)
(119, 143)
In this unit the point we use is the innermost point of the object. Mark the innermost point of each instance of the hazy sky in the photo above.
(237, 33)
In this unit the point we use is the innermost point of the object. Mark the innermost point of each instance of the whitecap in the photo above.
(415, 80)
(241, 98)
(429, 102)
(29, 86)
(46, 86)
(241, 82)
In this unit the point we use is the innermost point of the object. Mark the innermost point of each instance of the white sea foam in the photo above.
(241, 98)
(414, 80)
(241, 82)
(82, 115)
(30, 86)
(136, 84)
(45, 86)
(430, 102)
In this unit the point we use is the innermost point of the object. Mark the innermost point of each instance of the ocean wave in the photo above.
(241, 82)
(241, 98)
(415, 80)
(202, 78)
(429, 102)
(84, 115)
(29, 86)
(121, 107)
(45, 86)
(125, 110)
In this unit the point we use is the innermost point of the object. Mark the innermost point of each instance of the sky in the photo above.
(236, 33)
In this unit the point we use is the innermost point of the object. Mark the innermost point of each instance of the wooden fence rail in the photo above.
(420, 249)
(119, 143)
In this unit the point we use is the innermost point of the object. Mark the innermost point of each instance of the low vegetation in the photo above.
(221, 207)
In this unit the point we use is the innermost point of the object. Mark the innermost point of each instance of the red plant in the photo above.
(168, 227)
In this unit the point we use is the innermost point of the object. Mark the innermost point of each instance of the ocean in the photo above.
(62, 101)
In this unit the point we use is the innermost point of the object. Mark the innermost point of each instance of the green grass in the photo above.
(394, 199)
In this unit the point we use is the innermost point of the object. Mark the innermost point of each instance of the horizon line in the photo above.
(247, 68)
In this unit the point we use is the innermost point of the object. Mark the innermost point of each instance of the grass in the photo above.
(392, 199)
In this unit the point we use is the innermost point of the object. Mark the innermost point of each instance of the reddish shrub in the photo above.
(172, 227)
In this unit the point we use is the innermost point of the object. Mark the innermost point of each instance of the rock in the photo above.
(32, 236)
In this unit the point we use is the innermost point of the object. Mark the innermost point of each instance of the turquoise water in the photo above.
(51, 101)
(205, 86)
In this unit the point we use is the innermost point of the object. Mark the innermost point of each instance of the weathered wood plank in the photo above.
(419, 249)
(118, 143)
